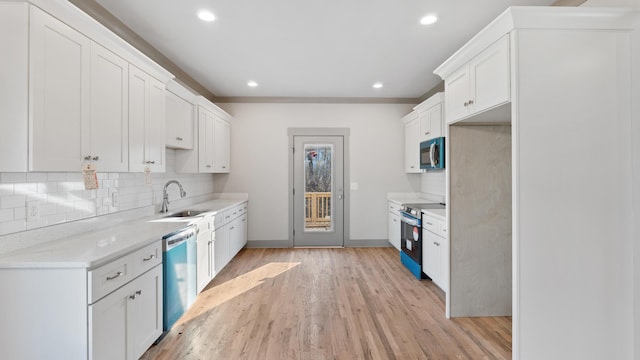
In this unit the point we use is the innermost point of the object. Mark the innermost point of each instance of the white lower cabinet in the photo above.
(123, 324)
(434, 250)
(394, 225)
(230, 235)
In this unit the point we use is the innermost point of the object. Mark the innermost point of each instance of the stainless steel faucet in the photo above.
(165, 200)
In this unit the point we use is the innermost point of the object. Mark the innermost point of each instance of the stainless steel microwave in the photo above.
(432, 154)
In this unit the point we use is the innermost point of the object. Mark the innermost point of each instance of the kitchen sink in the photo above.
(186, 213)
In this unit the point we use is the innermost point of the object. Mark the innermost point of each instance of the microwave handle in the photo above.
(431, 151)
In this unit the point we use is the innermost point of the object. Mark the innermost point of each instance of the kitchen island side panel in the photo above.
(44, 313)
(480, 220)
(572, 186)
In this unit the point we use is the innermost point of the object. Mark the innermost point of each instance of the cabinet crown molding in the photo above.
(539, 17)
(208, 105)
(437, 98)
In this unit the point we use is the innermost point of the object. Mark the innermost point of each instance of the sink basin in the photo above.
(186, 213)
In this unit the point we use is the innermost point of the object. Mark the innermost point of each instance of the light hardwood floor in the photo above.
(355, 303)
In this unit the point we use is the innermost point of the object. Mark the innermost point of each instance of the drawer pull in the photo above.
(428, 223)
(117, 275)
(151, 257)
(179, 138)
(133, 297)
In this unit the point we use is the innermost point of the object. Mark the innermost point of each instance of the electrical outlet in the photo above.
(115, 201)
(33, 210)
(354, 186)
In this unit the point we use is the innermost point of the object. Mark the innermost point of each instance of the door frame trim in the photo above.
(344, 132)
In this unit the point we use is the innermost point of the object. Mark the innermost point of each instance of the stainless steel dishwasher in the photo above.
(179, 270)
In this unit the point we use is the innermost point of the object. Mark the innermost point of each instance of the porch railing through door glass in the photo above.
(317, 209)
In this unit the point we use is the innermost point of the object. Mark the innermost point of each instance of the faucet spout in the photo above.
(165, 196)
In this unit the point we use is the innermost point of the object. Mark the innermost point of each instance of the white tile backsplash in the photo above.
(434, 183)
(62, 198)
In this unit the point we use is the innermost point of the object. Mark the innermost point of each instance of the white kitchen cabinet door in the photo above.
(490, 82)
(206, 139)
(432, 256)
(146, 122)
(457, 95)
(243, 231)
(234, 237)
(179, 122)
(221, 247)
(109, 141)
(222, 134)
(394, 230)
(412, 145)
(59, 94)
(145, 319)
(431, 123)
(108, 336)
(14, 87)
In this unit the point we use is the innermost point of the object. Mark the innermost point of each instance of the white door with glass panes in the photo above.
(318, 193)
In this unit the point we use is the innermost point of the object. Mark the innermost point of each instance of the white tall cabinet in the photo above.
(526, 206)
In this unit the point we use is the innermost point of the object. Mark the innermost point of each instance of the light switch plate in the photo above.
(354, 186)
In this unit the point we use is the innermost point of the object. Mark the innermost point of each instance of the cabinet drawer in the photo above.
(146, 258)
(109, 277)
(394, 208)
(430, 223)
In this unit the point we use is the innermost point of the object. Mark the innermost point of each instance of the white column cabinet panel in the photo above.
(109, 127)
(59, 94)
(222, 132)
(146, 122)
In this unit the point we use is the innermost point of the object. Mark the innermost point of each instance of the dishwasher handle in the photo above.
(182, 235)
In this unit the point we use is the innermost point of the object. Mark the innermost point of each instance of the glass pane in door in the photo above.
(318, 182)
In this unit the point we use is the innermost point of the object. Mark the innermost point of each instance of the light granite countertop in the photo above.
(92, 249)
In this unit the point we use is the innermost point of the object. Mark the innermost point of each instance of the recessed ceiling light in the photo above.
(252, 84)
(377, 85)
(206, 15)
(428, 19)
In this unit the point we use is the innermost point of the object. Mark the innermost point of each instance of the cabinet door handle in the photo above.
(395, 220)
(224, 167)
(96, 158)
(88, 157)
(470, 102)
(151, 257)
(208, 166)
(427, 132)
(139, 292)
(179, 138)
(151, 162)
(466, 104)
(132, 297)
(233, 227)
(412, 166)
(117, 275)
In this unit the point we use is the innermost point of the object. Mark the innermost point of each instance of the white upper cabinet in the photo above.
(180, 117)
(412, 143)
(65, 93)
(146, 122)
(481, 84)
(431, 119)
(211, 150)
(59, 94)
(109, 128)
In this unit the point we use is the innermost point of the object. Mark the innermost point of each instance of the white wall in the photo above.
(259, 161)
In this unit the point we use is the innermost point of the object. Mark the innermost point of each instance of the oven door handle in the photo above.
(410, 221)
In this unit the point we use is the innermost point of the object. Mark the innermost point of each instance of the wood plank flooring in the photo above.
(355, 303)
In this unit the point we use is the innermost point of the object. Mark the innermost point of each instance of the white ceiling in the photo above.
(304, 48)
